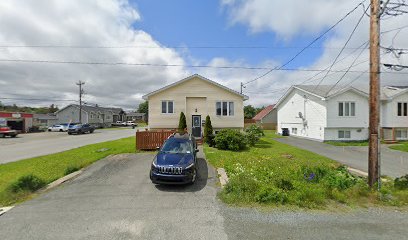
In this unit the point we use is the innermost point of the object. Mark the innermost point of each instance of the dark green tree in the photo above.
(208, 131)
(143, 107)
(249, 112)
(182, 122)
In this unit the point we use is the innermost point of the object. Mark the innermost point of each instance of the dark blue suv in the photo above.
(176, 161)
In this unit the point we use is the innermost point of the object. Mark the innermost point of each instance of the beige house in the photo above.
(197, 97)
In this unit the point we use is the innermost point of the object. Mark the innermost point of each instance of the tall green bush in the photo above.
(253, 134)
(229, 139)
(182, 122)
(208, 131)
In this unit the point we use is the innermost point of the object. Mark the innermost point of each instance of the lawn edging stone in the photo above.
(223, 177)
(60, 181)
(3, 210)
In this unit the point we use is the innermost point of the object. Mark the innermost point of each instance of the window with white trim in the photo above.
(294, 131)
(402, 109)
(224, 108)
(402, 134)
(167, 106)
(347, 109)
(344, 134)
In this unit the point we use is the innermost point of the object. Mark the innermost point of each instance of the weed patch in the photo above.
(279, 174)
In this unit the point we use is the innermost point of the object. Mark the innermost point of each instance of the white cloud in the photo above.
(286, 18)
(296, 18)
(111, 23)
(80, 23)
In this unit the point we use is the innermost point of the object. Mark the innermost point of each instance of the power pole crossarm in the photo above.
(374, 126)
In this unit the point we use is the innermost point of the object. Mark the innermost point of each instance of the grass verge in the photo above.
(275, 174)
(350, 143)
(400, 147)
(48, 168)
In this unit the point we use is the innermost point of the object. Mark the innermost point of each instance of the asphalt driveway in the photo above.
(38, 144)
(393, 163)
(114, 199)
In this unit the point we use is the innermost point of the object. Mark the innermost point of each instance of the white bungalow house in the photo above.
(197, 97)
(342, 113)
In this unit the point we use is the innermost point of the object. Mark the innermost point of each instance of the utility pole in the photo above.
(374, 98)
(81, 92)
(242, 87)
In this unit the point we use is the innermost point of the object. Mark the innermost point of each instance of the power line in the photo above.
(169, 65)
(154, 47)
(347, 71)
(396, 67)
(309, 45)
(39, 99)
(345, 45)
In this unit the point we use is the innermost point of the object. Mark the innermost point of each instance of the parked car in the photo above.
(117, 123)
(58, 128)
(131, 123)
(176, 161)
(80, 129)
(6, 131)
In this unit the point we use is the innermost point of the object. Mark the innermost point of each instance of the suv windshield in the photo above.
(174, 145)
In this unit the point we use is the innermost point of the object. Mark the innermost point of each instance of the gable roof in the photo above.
(328, 91)
(146, 97)
(264, 112)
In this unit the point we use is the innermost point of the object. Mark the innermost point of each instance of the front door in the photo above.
(196, 126)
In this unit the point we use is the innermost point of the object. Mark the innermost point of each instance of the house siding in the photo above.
(189, 96)
(357, 125)
(390, 116)
(271, 117)
(70, 114)
(311, 107)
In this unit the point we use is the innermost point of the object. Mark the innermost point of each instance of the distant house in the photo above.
(135, 116)
(267, 118)
(95, 115)
(44, 119)
(341, 113)
(197, 97)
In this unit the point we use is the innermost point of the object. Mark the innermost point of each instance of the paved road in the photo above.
(114, 199)
(38, 144)
(393, 163)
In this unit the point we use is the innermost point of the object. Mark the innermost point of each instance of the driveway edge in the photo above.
(62, 180)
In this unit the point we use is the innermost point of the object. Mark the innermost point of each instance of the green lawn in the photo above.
(276, 174)
(351, 143)
(53, 166)
(400, 147)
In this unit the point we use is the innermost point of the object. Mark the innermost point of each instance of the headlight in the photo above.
(154, 163)
(190, 166)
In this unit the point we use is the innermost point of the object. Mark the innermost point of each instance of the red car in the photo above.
(6, 131)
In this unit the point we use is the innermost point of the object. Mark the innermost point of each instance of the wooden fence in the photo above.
(150, 140)
(249, 121)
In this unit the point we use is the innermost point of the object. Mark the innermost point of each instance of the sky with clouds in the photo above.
(65, 36)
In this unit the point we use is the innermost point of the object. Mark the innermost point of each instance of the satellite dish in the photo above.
(300, 115)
